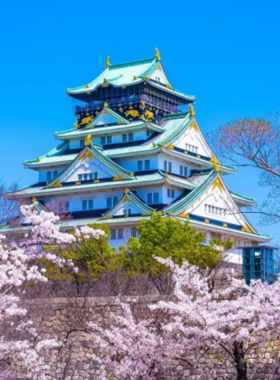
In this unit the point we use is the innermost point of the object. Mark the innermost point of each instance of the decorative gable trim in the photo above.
(135, 203)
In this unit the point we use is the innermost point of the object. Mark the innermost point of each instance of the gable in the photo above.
(92, 165)
(129, 205)
(159, 75)
(87, 164)
(193, 141)
(107, 117)
(217, 203)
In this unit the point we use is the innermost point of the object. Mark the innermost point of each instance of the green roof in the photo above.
(133, 126)
(126, 74)
(155, 178)
(202, 182)
(100, 156)
(242, 198)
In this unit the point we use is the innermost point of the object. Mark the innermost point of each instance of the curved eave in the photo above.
(209, 227)
(104, 130)
(198, 161)
(243, 201)
(139, 80)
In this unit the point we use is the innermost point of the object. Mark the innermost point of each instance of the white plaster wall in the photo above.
(142, 193)
(176, 162)
(127, 205)
(131, 163)
(218, 199)
(116, 137)
(115, 243)
(43, 174)
(193, 137)
(167, 200)
(159, 74)
(87, 166)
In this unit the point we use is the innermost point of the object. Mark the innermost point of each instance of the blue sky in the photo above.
(225, 52)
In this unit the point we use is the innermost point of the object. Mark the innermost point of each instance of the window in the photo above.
(55, 173)
(95, 174)
(127, 211)
(80, 177)
(124, 138)
(148, 133)
(130, 136)
(49, 176)
(87, 204)
(120, 233)
(157, 79)
(214, 210)
(90, 176)
(147, 164)
(191, 148)
(113, 234)
(103, 140)
(165, 166)
(133, 232)
(170, 167)
(109, 202)
(67, 206)
(109, 139)
(149, 198)
(84, 204)
(90, 204)
(85, 177)
(170, 193)
(183, 171)
(112, 201)
(156, 197)
(82, 143)
(139, 166)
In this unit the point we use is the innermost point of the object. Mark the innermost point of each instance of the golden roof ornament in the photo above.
(88, 140)
(215, 163)
(108, 61)
(33, 200)
(105, 104)
(38, 159)
(157, 56)
(126, 191)
(192, 112)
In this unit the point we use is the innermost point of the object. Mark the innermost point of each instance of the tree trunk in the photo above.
(240, 363)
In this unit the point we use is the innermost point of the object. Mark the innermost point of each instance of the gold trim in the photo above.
(219, 184)
(108, 61)
(118, 177)
(56, 184)
(157, 56)
(85, 155)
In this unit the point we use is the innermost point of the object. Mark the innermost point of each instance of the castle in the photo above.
(136, 148)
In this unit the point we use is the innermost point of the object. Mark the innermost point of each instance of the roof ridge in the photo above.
(131, 63)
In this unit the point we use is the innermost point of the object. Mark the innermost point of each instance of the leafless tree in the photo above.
(254, 143)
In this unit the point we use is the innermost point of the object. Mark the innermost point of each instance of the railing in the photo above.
(130, 100)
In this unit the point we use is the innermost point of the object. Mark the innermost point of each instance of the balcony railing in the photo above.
(130, 100)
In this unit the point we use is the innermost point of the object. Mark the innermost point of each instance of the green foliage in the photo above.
(91, 256)
(169, 238)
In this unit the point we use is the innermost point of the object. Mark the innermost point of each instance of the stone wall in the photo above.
(68, 318)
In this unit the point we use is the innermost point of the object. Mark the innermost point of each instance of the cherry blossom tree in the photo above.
(222, 324)
(17, 268)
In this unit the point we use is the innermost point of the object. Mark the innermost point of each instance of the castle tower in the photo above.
(136, 148)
